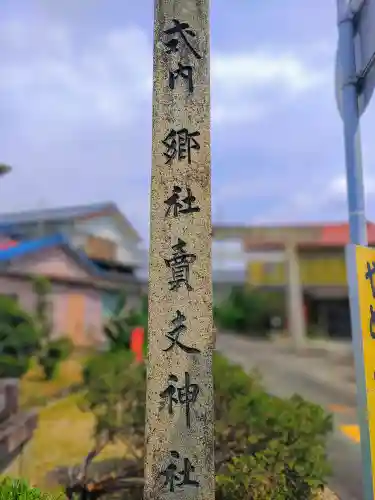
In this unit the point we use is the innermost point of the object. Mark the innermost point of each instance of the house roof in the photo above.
(275, 237)
(23, 248)
(11, 219)
(58, 240)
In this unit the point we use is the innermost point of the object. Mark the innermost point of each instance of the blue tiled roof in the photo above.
(31, 246)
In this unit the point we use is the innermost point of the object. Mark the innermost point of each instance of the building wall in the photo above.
(78, 313)
(127, 251)
(317, 268)
(84, 325)
(76, 309)
(20, 289)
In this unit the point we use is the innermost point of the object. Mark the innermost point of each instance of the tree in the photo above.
(5, 169)
(19, 339)
(43, 309)
(51, 352)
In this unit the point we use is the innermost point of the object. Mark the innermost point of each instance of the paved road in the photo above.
(281, 378)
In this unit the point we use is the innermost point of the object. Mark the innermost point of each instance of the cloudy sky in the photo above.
(75, 109)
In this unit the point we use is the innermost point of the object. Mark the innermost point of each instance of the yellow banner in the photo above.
(365, 266)
(365, 259)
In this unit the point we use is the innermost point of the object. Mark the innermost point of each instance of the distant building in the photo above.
(101, 230)
(88, 253)
(320, 257)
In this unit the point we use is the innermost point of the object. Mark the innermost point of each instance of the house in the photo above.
(77, 285)
(101, 230)
(319, 253)
(89, 253)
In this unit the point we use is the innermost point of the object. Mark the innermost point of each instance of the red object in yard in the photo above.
(136, 343)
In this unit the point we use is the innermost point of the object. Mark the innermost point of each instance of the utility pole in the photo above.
(348, 93)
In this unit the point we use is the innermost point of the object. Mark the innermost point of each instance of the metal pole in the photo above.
(350, 114)
(357, 219)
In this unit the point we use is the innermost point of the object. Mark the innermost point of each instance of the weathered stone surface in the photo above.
(8, 397)
(177, 109)
(16, 427)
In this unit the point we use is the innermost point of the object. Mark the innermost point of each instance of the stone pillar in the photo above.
(180, 421)
(296, 313)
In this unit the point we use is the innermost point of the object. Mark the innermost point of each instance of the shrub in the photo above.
(11, 367)
(61, 348)
(19, 339)
(115, 393)
(266, 448)
(119, 326)
(52, 354)
(276, 446)
(248, 311)
(20, 490)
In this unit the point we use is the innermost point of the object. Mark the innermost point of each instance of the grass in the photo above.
(65, 433)
(63, 438)
(36, 391)
(20, 490)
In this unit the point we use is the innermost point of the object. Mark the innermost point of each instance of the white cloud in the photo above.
(253, 71)
(337, 187)
(104, 80)
(48, 76)
(314, 202)
(232, 112)
(249, 86)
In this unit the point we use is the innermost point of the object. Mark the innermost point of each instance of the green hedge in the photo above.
(266, 448)
(20, 490)
(278, 446)
(249, 311)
